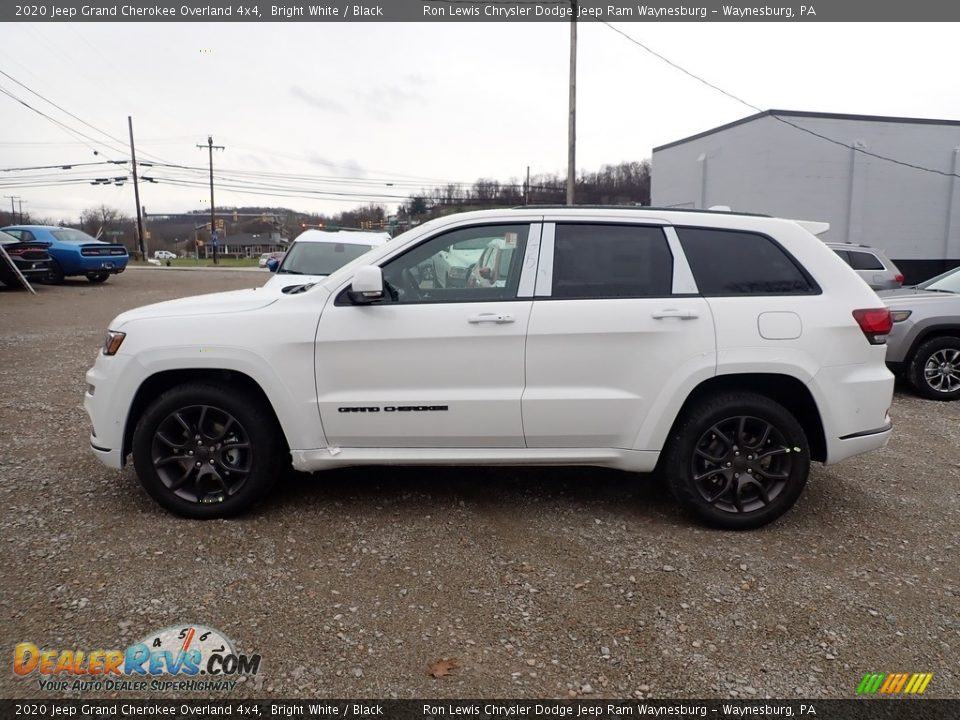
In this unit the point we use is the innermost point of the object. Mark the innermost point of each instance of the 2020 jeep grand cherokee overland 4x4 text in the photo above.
(725, 351)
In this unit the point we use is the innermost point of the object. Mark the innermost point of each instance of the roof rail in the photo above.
(634, 207)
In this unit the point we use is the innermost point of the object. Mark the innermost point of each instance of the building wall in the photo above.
(767, 167)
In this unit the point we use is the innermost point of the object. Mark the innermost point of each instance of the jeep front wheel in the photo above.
(203, 452)
(737, 461)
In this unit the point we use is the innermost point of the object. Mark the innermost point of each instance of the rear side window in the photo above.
(864, 261)
(611, 261)
(729, 262)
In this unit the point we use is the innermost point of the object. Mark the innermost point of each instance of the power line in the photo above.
(730, 95)
(63, 110)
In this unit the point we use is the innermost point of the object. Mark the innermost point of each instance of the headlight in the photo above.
(112, 342)
(900, 315)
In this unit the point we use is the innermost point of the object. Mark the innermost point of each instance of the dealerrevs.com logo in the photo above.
(178, 658)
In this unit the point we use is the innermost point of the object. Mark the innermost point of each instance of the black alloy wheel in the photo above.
(741, 464)
(206, 451)
(736, 460)
(202, 454)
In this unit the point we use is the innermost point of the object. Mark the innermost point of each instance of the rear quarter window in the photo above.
(733, 262)
(864, 261)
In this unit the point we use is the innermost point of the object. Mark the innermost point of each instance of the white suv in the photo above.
(725, 351)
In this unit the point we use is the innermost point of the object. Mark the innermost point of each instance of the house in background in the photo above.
(247, 245)
(824, 167)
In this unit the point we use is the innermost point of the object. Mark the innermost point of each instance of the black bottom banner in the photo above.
(865, 709)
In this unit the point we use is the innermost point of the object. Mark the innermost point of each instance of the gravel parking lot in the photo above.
(539, 582)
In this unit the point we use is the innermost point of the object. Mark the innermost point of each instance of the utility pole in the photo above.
(20, 208)
(526, 188)
(13, 212)
(136, 192)
(572, 128)
(213, 214)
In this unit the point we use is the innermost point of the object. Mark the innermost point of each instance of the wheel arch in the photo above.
(158, 383)
(931, 333)
(786, 390)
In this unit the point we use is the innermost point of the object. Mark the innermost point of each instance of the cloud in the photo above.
(316, 100)
(346, 168)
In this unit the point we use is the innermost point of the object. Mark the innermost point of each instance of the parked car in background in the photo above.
(318, 253)
(453, 265)
(267, 257)
(74, 252)
(30, 258)
(726, 352)
(924, 344)
(876, 269)
(164, 255)
(493, 267)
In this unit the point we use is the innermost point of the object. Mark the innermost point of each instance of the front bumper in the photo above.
(111, 458)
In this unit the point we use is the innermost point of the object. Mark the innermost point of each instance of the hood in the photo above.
(213, 304)
(282, 280)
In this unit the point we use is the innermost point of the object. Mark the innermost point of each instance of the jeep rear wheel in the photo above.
(203, 452)
(934, 371)
(737, 461)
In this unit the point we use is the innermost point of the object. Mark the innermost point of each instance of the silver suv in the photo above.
(876, 269)
(924, 345)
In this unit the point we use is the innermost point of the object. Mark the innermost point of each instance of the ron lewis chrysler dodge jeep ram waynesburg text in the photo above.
(724, 351)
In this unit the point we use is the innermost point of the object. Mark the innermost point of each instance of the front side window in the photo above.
(731, 262)
(448, 268)
(611, 261)
(320, 258)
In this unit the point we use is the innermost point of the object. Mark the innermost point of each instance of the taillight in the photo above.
(899, 278)
(875, 323)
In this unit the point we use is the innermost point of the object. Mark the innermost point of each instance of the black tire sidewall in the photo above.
(700, 418)
(259, 425)
(55, 276)
(920, 357)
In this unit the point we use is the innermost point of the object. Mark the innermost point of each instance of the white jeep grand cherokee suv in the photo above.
(724, 351)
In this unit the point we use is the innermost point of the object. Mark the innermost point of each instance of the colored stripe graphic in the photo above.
(894, 683)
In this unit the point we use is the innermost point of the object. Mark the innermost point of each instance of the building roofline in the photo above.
(808, 114)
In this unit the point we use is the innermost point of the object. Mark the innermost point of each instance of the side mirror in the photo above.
(486, 273)
(273, 264)
(367, 285)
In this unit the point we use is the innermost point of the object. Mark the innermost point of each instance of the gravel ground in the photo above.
(539, 582)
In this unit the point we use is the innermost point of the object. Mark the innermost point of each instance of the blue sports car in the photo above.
(74, 252)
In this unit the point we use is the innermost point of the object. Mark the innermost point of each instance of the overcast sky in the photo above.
(379, 103)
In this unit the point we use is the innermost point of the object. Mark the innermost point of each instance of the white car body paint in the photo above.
(530, 380)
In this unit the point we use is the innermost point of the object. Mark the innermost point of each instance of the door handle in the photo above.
(498, 318)
(674, 313)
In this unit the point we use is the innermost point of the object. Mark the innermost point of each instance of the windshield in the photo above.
(948, 282)
(320, 258)
(70, 235)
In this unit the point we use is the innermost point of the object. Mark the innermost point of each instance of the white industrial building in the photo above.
(764, 164)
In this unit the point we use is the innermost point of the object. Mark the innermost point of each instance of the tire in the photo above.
(56, 273)
(97, 277)
(229, 468)
(934, 370)
(768, 456)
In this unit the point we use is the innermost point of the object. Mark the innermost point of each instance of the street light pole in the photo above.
(213, 214)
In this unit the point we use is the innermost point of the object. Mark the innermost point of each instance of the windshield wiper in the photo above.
(284, 271)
